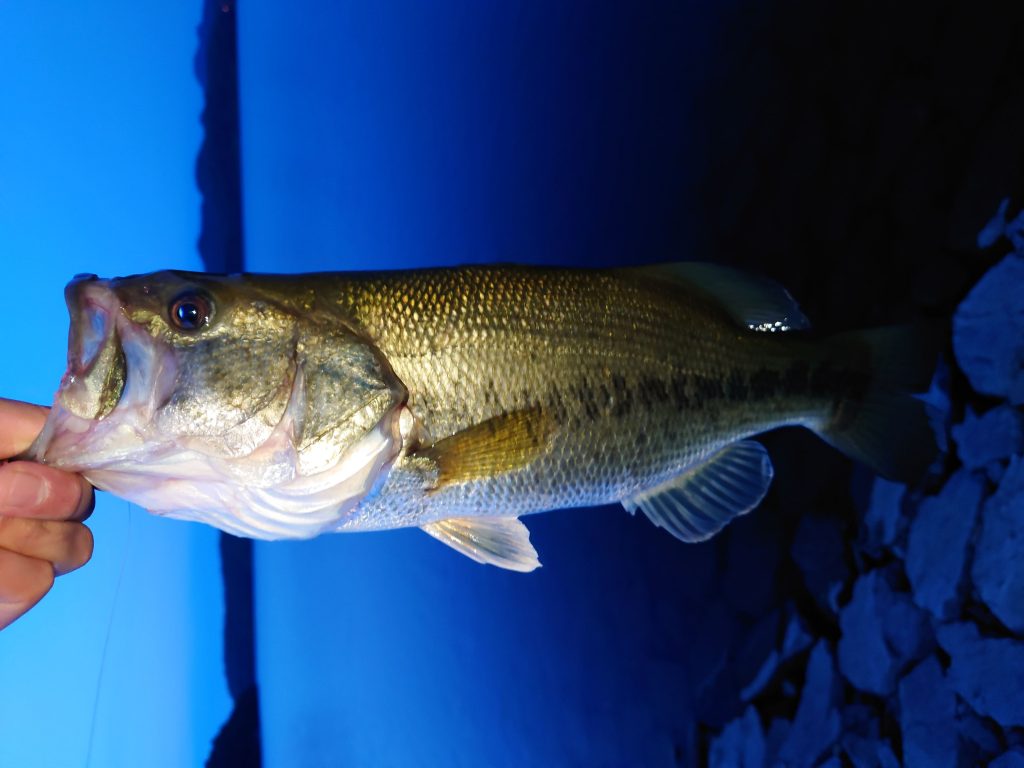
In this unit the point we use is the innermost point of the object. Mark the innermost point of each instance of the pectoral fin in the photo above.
(500, 444)
(500, 541)
(701, 501)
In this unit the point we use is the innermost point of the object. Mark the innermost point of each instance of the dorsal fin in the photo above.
(500, 541)
(752, 301)
(697, 504)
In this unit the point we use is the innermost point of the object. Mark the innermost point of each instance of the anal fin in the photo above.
(500, 541)
(697, 504)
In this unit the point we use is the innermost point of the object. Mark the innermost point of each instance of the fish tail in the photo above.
(875, 418)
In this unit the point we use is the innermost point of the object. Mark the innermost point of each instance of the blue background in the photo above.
(98, 142)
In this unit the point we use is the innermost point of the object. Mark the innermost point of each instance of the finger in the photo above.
(21, 423)
(67, 545)
(35, 490)
(23, 582)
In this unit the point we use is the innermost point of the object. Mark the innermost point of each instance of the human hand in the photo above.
(41, 514)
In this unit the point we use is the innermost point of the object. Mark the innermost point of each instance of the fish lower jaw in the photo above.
(78, 444)
(188, 485)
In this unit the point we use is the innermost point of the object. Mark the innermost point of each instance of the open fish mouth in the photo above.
(117, 374)
(95, 378)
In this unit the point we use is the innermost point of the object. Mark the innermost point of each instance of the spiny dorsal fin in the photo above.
(755, 302)
(499, 444)
(700, 502)
(500, 541)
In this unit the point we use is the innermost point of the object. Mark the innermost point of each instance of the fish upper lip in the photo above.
(93, 381)
(92, 307)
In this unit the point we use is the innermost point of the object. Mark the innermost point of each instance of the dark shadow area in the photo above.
(238, 742)
(853, 152)
(218, 167)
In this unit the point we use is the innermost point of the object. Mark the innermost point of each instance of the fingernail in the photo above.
(20, 489)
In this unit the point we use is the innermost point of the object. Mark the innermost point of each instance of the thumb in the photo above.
(19, 425)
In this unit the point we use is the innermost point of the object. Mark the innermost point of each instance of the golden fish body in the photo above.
(629, 382)
(458, 400)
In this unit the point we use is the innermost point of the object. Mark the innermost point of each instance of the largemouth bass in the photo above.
(458, 400)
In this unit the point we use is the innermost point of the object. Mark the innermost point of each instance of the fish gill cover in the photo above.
(919, 658)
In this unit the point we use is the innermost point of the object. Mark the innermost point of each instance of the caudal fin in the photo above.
(883, 425)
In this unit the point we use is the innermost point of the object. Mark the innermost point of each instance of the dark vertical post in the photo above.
(221, 245)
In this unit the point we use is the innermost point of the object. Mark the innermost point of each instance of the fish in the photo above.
(459, 400)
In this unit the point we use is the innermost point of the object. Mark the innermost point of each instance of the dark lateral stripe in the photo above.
(620, 397)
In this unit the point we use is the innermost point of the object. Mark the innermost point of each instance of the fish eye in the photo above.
(190, 311)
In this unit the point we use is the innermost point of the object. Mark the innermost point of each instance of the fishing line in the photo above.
(106, 640)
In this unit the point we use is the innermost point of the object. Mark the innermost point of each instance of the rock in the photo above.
(796, 639)
(1015, 232)
(987, 673)
(761, 678)
(998, 227)
(775, 739)
(869, 753)
(996, 435)
(988, 332)
(938, 405)
(758, 657)
(907, 630)
(820, 553)
(1014, 758)
(864, 657)
(883, 520)
(886, 757)
(861, 719)
(882, 633)
(816, 726)
(859, 751)
(927, 710)
(998, 568)
(741, 743)
(995, 227)
(980, 738)
(861, 741)
(709, 664)
(937, 546)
